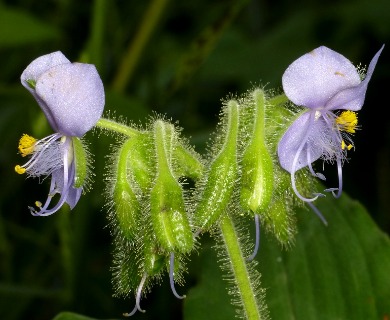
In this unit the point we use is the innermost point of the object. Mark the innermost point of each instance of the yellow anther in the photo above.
(344, 145)
(26, 145)
(19, 169)
(38, 204)
(347, 121)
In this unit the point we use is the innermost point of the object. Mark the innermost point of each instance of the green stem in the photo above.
(111, 125)
(278, 100)
(134, 50)
(245, 286)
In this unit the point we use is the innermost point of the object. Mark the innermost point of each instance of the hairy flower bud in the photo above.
(257, 168)
(222, 174)
(169, 217)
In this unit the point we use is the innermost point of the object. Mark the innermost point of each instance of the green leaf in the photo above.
(209, 299)
(19, 28)
(334, 272)
(71, 316)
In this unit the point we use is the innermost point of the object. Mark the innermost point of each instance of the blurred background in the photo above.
(174, 58)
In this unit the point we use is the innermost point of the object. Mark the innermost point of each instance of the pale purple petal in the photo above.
(34, 70)
(74, 94)
(73, 196)
(314, 78)
(302, 135)
(353, 98)
(40, 65)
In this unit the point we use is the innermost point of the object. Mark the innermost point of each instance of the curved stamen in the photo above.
(138, 298)
(46, 142)
(295, 162)
(318, 213)
(52, 192)
(132, 313)
(316, 174)
(293, 184)
(257, 241)
(171, 275)
(340, 176)
(67, 183)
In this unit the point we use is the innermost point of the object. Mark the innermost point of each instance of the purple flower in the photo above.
(72, 97)
(323, 81)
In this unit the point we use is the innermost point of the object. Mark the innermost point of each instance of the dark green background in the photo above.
(197, 53)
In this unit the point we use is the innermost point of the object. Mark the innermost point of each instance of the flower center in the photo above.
(347, 121)
(26, 145)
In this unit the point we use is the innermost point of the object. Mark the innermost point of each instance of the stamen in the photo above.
(26, 145)
(347, 121)
(316, 174)
(344, 145)
(295, 187)
(137, 298)
(45, 158)
(295, 161)
(68, 175)
(19, 169)
(171, 275)
(257, 241)
(318, 213)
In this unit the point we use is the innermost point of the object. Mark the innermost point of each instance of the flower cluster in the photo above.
(71, 95)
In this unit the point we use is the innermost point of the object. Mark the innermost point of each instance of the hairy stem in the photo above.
(111, 125)
(240, 271)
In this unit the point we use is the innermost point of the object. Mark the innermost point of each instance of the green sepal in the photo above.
(31, 83)
(154, 259)
(257, 168)
(169, 218)
(279, 222)
(80, 161)
(187, 163)
(222, 175)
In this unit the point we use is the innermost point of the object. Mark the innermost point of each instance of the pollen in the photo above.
(26, 145)
(19, 169)
(347, 121)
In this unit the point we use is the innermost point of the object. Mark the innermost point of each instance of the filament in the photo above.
(171, 275)
(257, 238)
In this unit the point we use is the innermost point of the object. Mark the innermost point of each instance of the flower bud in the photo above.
(257, 168)
(222, 175)
(169, 217)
